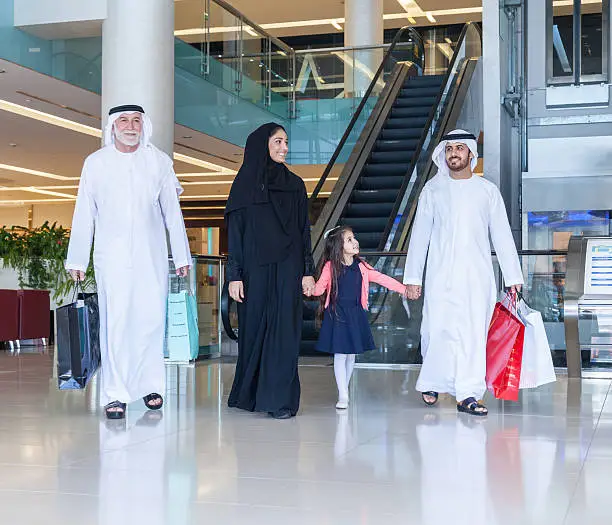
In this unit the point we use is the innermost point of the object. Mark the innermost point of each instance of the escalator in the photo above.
(372, 201)
(389, 163)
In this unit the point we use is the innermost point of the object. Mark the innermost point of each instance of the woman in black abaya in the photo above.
(269, 267)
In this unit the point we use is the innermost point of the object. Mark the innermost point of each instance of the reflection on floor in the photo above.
(387, 460)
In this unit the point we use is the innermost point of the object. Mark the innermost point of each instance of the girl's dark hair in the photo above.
(334, 254)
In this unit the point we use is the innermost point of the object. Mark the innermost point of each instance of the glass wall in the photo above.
(578, 41)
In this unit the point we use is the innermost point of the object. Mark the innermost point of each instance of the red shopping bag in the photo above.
(505, 350)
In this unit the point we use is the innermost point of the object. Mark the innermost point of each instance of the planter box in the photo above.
(9, 316)
(34, 308)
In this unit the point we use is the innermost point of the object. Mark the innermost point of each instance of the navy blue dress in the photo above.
(346, 329)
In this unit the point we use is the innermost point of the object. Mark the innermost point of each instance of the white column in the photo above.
(138, 62)
(491, 89)
(363, 26)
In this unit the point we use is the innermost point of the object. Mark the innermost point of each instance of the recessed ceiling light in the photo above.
(187, 137)
(2, 70)
(48, 118)
(12, 145)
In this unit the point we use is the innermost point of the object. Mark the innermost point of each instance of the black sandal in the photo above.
(430, 394)
(153, 397)
(471, 406)
(115, 414)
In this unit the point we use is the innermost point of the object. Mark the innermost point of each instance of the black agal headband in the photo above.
(128, 108)
(454, 137)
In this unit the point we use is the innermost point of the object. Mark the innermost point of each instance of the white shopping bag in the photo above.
(537, 368)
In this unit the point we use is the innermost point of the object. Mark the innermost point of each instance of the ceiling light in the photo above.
(411, 20)
(22, 202)
(336, 25)
(224, 196)
(12, 145)
(17, 109)
(87, 130)
(250, 31)
(19, 169)
(430, 17)
(414, 11)
(223, 172)
(34, 189)
(197, 162)
(26, 188)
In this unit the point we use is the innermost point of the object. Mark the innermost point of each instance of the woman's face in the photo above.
(278, 146)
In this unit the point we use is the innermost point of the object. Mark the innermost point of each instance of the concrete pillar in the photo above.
(138, 62)
(491, 89)
(363, 27)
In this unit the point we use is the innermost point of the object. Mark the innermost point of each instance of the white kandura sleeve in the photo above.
(503, 242)
(419, 241)
(83, 221)
(173, 219)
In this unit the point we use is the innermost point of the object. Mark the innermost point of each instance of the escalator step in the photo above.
(369, 241)
(400, 134)
(404, 102)
(309, 330)
(419, 111)
(388, 157)
(396, 145)
(426, 91)
(366, 224)
(387, 169)
(364, 210)
(362, 196)
(402, 123)
(307, 347)
(380, 183)
(425, 80)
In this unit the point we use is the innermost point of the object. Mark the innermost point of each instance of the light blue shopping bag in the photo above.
(182, 332)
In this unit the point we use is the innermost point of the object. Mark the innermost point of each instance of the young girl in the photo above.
(345, 278)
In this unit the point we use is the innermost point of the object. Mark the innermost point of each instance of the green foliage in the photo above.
(38, 256)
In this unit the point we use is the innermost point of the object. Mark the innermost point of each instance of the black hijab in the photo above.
(272, 192)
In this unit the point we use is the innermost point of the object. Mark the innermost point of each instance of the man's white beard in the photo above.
(128, 138)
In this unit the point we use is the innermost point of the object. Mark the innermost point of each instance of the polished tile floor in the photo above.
(387, 460)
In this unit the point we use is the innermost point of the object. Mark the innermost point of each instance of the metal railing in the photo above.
(349, 130)
(247, 60)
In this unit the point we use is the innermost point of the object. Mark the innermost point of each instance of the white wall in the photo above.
(18, 215)
(60, 213)
(36, 12)
(13, 216)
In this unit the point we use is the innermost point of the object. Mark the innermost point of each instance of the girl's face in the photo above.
(278, 146)
(350, 245)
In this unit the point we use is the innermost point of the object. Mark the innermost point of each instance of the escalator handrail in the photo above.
(347, 132)
(428, 125)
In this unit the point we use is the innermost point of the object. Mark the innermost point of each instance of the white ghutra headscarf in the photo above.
(457, 136)
(116, 112)
(145, 136)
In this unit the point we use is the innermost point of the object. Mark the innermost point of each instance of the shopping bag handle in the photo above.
(226, 301)
(511, 300)
(187, 284)
(78, 285)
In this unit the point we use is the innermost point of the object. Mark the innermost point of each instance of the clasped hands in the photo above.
(236, 288)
